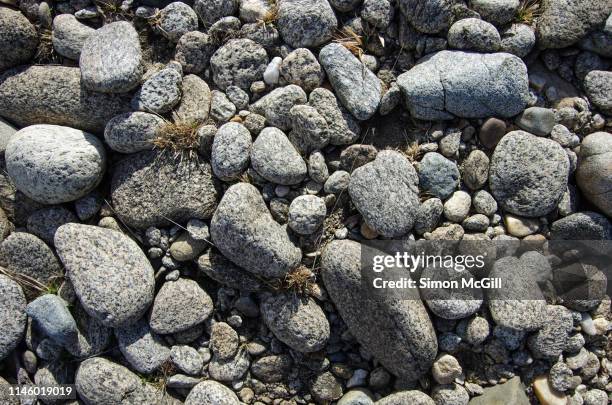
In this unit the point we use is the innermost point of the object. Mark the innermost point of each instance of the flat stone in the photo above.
(510, 392)
(438, 175)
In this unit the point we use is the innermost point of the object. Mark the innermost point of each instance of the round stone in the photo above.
(306, 214)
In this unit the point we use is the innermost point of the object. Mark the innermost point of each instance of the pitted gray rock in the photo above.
(306, 23)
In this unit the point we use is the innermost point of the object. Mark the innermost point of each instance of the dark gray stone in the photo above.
(210, 11)
(438, 175)
(273, 368)
(428, 16)
(306, 23)
(24, 253)
(550, 341)
(18, 38)
(194, 51)
(537, 120)
(160, 93)
(518, 39)
(582, 226)
(52, 317)
(220, 269)
(598, 86)
(428, 215)
(510, 392)
(498, 12)
(45, 221)
(12, 315)
(309, 128)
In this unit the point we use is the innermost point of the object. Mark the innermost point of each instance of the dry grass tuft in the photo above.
(31, 287)
(272, 15)
(178, 138)
(159, 379)
(348, 38)
(300, 281)
(45, 53)
(412, 152)
(528, 12)
(111, 11)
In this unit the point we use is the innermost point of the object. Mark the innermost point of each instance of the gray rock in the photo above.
(310, 130)
(337, 182)
(224, 341)
(391, 178)
(450, 394)
(356, 86)
(595, 397)
(194, 51)
(306, 23)
(594, 175)
(475, 169)
(51, 316)
(100, 381)
(445, 369)
(406, 397)
(598, 86)
(510, 392)
(195, 101)
(187, 359)
(111, 59)
(428, 215)
(244, 231)
(54, 95)
(238, 97)
(438, 175)
(53, 164)
(160, 93)
(141, 347)
(299, 323)
(189, 190)
(582, 226)
(398, 333)
(176, 19)
(239, 62)
(518, 39)
(302, 68)
(564, 22)
(229, 370)
(12, 315)
(484, 203)
(537, 120)
(24, 253)
(211, 393)
(275, 158)
(457, 207)
(271, 369)
(45, 221)
(343, 128)
(344, 5)
(560, 377)
(18, 38)
(550, 341)
(518, 305)
(428, 16)
(476, 223)
(475, 35)
(599, 41)
(306, 214)
(528, 175)
(178, 306)
(275, 106)
(357, 396)
(447, 83)
(111, 275)
(498, 12)
(92, 337)
(69, 35)
(211, 11)
(317, 168)
(379, 13)
(221, 108)
(231, 151)
(451, 303)
(220, 269)
(6, 133)
(132, 132)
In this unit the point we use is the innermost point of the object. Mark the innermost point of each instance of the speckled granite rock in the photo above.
(12, 315)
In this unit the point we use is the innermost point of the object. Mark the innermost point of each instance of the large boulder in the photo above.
(528, 174)
(111, 276)
(306, 23)
(594, 173)
(53, 164)
(245, 232)
(18, 38)
(54, 95)
(450, 83)
(390, 178)
(397, 332)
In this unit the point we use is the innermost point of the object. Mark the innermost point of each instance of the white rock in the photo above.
(272, 72)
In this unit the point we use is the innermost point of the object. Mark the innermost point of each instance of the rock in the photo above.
(484, 203)
(194, 50)
(355, 156)
(344, 5)
(406, 397)
(450, 394)
(69, 35)
(451, 303)
(317, 168)
(437, 175)
(518, 305)
(229, 370)
(428, 16)
(275, 158)
(518, 39)
(244, 231)
(306, 214)
(391, 178)
(132, 132)
(337, 182)
(142, 348)
(195, 101)
(224, 341)
(111, 276)
(498, 12)
(220, 269)
(510, 392)
(271, 369)
(306, 23)
(537, 120)
(582, 226)
(547, 394)
(325, 387)
(398, 333)
(428, 215)
(231, 151)
(563, 23)
(176, 19)
(45, 221)
(239, 62)
(447, 83)
(357, 396)
(238, 97)
(475, 169)
(53, 95)
(272, 72)
(343, 128)
(595, 397)
(160, 93)
(379, 13)
(358, 89)
(474, 34)
(445, 369)
(12, 315)
(100, 381)
(211, 393)
(560, 377)
(6, 133)
(594, 175)
(598, 86)
(491, 132)
(211, 11)
(550, 341)
(189, 190)
(302, 68)
(221, 109)
(24, 253)
(179, 305)
(457, 207)
(111, 59)
(18, 38)
(185, 248)
(51, 316)
(277, 104)
(528, 175)
(187, 359)
(310, 130)
(299, 323)
(521, 227)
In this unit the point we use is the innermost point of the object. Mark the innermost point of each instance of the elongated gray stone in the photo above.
(12, 315)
